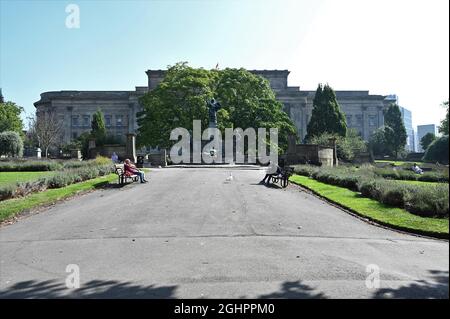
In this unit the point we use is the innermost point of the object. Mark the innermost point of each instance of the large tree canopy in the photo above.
(326, 116)
(10, 117)
(247, 102)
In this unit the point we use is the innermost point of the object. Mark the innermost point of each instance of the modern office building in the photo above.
(423, 130)
(407, 121)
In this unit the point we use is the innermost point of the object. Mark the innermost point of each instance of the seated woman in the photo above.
(131, 169)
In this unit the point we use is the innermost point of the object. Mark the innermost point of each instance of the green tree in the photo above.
(377, 142)
(247, 101)
(395, 131)
(326, 115)
(347, 147)
(98, 128)
(444, 123)
(427, 140)
(438, 151)
(10, 117)
(11, 144)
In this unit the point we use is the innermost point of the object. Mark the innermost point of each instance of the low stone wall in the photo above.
(309, 153)
(158, 159)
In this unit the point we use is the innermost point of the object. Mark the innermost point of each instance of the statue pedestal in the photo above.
(131, 147)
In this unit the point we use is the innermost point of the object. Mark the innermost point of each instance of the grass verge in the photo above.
(14, 177)
(10, 208)
(375, 211)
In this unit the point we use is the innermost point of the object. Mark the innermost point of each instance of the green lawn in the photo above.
(13, 177)
(11, 207)
(386, 215)
(400, 163)
(419, 183)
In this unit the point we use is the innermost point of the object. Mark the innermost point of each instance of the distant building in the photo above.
(423, 130)
(407, 121)
(364, 111)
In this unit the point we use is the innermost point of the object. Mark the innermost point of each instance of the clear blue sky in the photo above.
(385, 46)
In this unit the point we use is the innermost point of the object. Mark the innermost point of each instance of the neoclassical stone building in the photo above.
(74, 109)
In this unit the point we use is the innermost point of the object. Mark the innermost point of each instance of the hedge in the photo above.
(57, 180)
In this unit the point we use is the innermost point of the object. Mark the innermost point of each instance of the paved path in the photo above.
(189, 233)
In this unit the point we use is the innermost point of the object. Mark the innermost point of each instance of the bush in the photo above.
(30, 166)
(430, 201)
(11, 144)
(7, 191)
(427, 200)
(346, 147)
(305, 170)
(60, 179)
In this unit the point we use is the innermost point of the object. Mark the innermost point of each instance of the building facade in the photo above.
(364, 112)
(423, 130)
(407, 121)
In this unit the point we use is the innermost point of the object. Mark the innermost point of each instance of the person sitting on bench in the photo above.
(272, 170)
(131, 169)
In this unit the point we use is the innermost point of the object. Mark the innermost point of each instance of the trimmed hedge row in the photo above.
(57, 180)
(425, 200)
(49, 165)
(401, 174)
(30, 166)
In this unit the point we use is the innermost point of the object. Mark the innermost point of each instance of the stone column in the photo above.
(332, 143)
(131, 147)
(131, 116)
(380, 116)
(365, 123)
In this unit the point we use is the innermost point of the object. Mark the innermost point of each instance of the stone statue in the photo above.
(213, 107)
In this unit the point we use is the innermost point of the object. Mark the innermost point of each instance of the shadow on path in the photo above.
(95, 289)
(294, 290)
(422, 289)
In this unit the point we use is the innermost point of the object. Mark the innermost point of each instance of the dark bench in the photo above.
(283, 177)
(124, 176)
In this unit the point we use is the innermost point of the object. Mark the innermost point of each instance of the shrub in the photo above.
(29, 166)
(346, 147)
(429, 201)
(393, 195)
(101, 160)
(440, 177)
(305, 170)
(57, 180)
(372, 189)
(11, 144)
(7, 191)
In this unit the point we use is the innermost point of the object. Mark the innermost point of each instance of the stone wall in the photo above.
(158, 159)
(310, 154)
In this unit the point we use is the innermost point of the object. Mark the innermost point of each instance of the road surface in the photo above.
(190, 233)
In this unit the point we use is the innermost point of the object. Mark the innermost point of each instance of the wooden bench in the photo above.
(124, 176)
(283, 177)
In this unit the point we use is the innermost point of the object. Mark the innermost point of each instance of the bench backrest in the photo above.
(119, 169)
